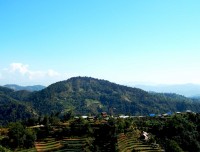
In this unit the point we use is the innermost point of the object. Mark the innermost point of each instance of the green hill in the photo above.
(12, 110)
(13, 107)
(85, 95)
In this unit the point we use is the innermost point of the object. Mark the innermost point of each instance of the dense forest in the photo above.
(88, 96)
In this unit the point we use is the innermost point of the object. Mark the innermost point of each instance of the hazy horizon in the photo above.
(132, 84)
(152, 42)
(188, 90)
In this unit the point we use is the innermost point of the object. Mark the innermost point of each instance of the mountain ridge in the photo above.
(86, 94)
(28, 88)
(90, 96)
(188, 90)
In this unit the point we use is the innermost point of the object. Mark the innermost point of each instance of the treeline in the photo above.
(179, 132)
(20, 135)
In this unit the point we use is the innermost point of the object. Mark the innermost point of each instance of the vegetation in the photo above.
(45, 120)
(84, 95)
(12, 110)
(178, 132)
(19, 136)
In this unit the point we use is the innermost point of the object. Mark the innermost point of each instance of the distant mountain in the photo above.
(28, 88)
(188, 90)
(196, 97)
(85, 95)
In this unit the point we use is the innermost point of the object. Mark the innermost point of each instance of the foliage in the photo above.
(84, 95)
(12, 110)
(19, 136)
(123, 125)
(80, 127)
(172, 145)
(67, 116)
(105, 137)
(88, 96)
(3, 149)
(177, 133)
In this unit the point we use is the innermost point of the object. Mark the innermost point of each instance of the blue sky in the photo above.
(137, 41)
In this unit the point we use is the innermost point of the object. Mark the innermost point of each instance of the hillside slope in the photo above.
(86, 95)
(12, 110)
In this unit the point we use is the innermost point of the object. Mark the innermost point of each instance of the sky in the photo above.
(129, 41)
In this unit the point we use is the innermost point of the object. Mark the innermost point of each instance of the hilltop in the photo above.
(85, 95)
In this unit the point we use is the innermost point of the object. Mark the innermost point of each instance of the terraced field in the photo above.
(130, 144)
(48, 144)
(67, 144)
(126, 143)
(28, 150)
(74, 145)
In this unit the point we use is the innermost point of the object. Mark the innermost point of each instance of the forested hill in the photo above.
(85, 95)
(11, 109)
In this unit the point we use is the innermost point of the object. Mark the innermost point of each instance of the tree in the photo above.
(3, 149)
(16, 134)
(81, 127)
(19, 136)
(67, 116)
(30, 137)
(172, 145)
